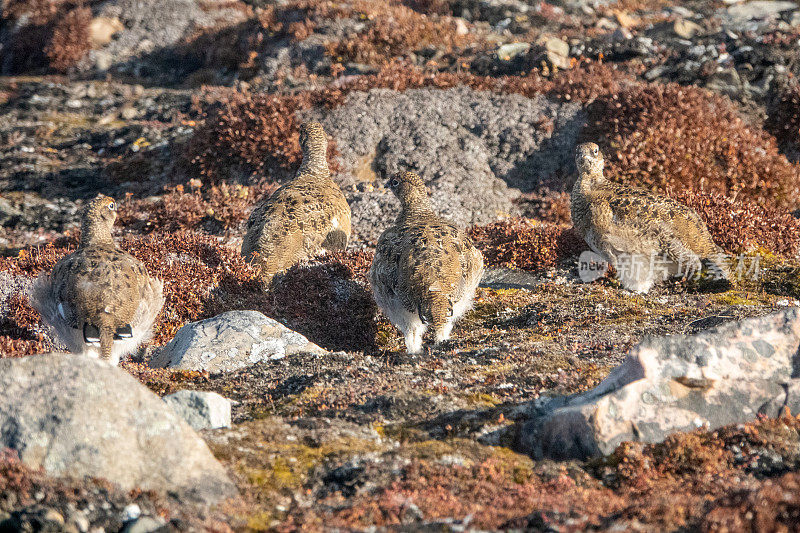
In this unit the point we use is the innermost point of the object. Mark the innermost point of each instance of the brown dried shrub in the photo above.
(23, 488)
(545, 205)
(17, 335)
(784, 116)
(395, 30)
(215, 208)
(740, 227)
(772, 506)
(70, 39)
(662, 487)
(165, 381)
(55, 34)
(37, 11)
(669, 136)
(247, 135)
(524, 244)
(192, 266)
(431, 7)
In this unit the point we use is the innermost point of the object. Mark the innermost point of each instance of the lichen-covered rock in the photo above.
(201, 409)
(231, 341)
(148, 25)
(77, 416)
(475, 150)
(678, 383)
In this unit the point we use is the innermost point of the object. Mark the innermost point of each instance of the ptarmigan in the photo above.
(425, 269)
(646, 237)
(99, 299)
(305, 217)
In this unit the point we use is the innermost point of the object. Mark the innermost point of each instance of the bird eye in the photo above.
(395, 183)
(112, 206)
(594, 149)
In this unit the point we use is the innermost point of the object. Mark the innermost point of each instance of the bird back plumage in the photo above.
(305, 217)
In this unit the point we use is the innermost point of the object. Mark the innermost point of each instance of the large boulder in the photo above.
(476, 150)
(231, 341)
(721, 376)
(76, 416)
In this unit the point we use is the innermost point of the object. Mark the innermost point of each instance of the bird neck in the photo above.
(588, 180)
(415, 205)
(94, 234)
(315, 160)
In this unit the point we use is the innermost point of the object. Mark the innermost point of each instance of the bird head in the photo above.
(101, 210)
(97, 220)
(589, 159)
(409, 188)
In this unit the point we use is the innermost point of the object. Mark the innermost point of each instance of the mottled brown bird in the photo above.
(99, 299)
(305, 217)
(645, 236)
(425, 270)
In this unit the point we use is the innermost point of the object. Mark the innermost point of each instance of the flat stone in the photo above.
(144, 524)
(686, 29)
(201, 409)
(230, 341)
(760, 9)
(557, 46)
(103, 29)
(509, 51)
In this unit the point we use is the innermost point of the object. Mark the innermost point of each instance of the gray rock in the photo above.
(475, 150)
(509, 51)
(200, 409)
(759, 9)
(726, 81)
(686, 29)
(507, 278)
(77, 416)
(151, 24)
(144, 524)
(230, 341)
(721, 376)
(557, 46)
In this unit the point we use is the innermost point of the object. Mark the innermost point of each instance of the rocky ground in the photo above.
(187, 113)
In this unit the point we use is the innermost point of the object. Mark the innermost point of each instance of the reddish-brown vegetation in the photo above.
(70, 39)
(393, 31)
(55, 35)
(248, 134)
(702, 480)
(213, 208)
(28, 489)
(668, 136)
(784, 116)
(773, 506)
(525, 244)
(740, 226)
